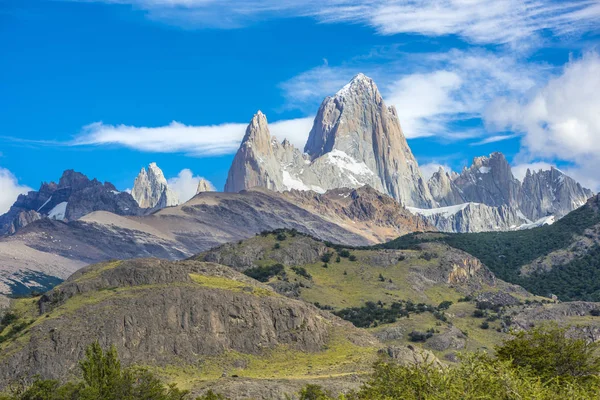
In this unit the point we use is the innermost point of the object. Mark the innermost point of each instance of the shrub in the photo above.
(344, 253)
(263, 274)
(326, 257)
(302, 272)
(352, 257)
(444, 305)
(548, 352)
(485, 325)
(595, 312)
(276, 246)
(417, 336)
(281, 237)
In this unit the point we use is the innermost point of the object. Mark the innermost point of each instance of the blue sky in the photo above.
(106, 87)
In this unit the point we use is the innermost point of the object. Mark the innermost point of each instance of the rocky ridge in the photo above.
(71, 198)
(356, 140)
(508, 203)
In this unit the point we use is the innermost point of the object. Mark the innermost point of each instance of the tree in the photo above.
(102, 372)
(314, 392)
(550, 353)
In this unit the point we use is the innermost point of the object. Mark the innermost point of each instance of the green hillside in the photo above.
(506, 252)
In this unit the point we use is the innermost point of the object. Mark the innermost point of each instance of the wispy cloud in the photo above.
(173, 138)
(10, 189)
(199, 141)
(495, 139)
(477, 21)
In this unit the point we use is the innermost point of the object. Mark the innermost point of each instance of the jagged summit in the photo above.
(355, 140)
(71, 198)
(150, 189)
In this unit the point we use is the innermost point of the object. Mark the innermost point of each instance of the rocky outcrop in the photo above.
(551, 192)
(472, 217)
(204, 186)
(160, 313)
(4, 303)
(356, 140)
(504, 202)
(71, 198)
(151, 190)
(22, 219)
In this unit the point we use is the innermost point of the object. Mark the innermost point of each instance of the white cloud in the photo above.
(175, 137)
(193, 140)
(424, 101)
(560, 121)
(185, 184)
(310, 87)
(495, 139)
(520, 170)
(10, 189)
(427, 170)
(431, 92)
(479, 21)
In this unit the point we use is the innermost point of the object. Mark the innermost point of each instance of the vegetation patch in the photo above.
(219, 282)
(264, 273)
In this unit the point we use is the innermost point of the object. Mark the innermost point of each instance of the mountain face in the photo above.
(551, 192)
(490, 183)
(356, 140)
(151, 190)
(71, 198)
(473, 217)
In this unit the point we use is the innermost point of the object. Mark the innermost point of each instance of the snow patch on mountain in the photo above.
(59, 211)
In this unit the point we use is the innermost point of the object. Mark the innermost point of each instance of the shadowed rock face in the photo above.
(75, 195)
(356, 140)
(165, 313)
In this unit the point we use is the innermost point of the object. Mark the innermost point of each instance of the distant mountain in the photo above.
(489, 181)
(71, 198)
(150, 189)
(356, 140)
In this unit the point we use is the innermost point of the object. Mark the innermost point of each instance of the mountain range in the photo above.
(310, 267)
(357, 140)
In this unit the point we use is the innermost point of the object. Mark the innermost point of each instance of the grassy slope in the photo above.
(352, 283)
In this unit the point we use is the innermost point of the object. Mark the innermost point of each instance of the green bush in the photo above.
(548, 352)
(302, 272)
(263, 274)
